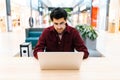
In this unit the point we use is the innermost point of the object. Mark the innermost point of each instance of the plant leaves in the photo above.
(87, 31)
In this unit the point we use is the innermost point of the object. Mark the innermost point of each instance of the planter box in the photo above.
(90, 44)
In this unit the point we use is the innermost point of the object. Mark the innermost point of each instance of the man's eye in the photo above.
(56, 23)
(61, 23)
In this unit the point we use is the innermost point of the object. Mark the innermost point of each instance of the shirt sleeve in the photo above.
(40, 46)
(79, 44)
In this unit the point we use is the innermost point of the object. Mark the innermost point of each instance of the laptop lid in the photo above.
(60, 60)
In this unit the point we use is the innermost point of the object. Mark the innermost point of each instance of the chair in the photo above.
(32, 35)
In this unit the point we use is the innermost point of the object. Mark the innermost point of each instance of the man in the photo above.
(60, 37)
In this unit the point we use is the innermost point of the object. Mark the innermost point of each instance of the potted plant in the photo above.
(88, 34)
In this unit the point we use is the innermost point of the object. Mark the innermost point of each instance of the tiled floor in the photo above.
(108, 44)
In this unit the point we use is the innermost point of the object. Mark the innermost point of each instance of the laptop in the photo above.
(60, 60)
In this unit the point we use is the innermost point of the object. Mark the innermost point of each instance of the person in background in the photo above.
(60, 37)
(31, 21)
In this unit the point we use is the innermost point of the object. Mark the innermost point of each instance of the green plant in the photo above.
(87, 31)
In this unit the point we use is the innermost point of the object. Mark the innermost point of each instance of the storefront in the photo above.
(114, 16)
(2, 16)
(82, 13)
(20, 13)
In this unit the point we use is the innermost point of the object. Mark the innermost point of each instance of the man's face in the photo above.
(59, 24)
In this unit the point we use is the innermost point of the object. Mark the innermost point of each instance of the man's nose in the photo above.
(59, 26)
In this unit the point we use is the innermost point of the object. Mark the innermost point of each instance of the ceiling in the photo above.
(49, 3)
(61, 3)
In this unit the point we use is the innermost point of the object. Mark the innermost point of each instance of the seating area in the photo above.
(32, 35)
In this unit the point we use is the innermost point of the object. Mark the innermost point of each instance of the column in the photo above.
(8, 12)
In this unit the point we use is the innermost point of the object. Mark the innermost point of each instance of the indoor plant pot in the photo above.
(88, 34)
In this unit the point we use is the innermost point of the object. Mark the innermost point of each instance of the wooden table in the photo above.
(27, 68)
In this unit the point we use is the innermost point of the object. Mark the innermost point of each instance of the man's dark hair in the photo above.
(58, 13)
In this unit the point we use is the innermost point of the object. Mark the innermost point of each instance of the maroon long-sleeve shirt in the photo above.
(50, 41)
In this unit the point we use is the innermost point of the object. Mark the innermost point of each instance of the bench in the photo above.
(32, 35)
